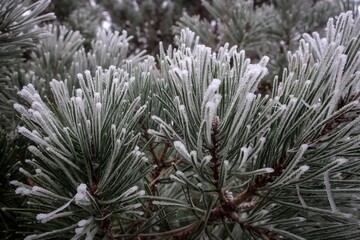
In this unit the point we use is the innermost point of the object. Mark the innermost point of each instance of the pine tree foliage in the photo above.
(54, 55)
(19, 32)
(89, 138)
(12, 152)
(236, 22)
(18, 27)
(265, 29)
(63, 55)
(148, 21)
(86, 20)
(188, 148)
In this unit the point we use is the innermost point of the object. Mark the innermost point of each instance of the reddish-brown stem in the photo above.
(160, 162)
(163, 173)
(107, 228)
(259, 230)
(214, 152)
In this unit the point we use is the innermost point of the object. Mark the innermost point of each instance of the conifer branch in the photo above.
(185, 147)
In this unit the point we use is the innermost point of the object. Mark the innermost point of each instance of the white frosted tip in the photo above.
(79, 92)
(264, 211)
(250, 96)
(211, 105)
(30, 237)
(215, 83)
(181, 107)
(180, 147)
(304, 168)
(80, 198)
(22, 191)
(304, 146)
(184, 72)
(83, 222)
(130, 191)
(269, 170)
(134, 188)
(16, 105)
(22, 129)
(341, 161)
(79, 230)
(81, 187)
(41, 216)
(15, 183)
(36, 189)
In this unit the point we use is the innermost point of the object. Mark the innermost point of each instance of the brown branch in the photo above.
(261, 181)
(214, 152)
(259, 230)
(163, 173)
(107, 228)
(152, 147)
(159, 161)
(156, 171)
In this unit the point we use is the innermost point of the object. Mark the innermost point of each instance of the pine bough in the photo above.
(191, 150)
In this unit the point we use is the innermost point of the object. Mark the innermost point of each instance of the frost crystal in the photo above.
(250, 96)
(180, 147)
(31, 237)
(81, 187)
(269, 170)
(84, 222)
(79, 92)
(341, 161)
(130, 191)
(41, 216)
(81, 195)
(23, 191)
(211, 90)
(78, 101)
(98, 106)
(304, 168)
(214, 85)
